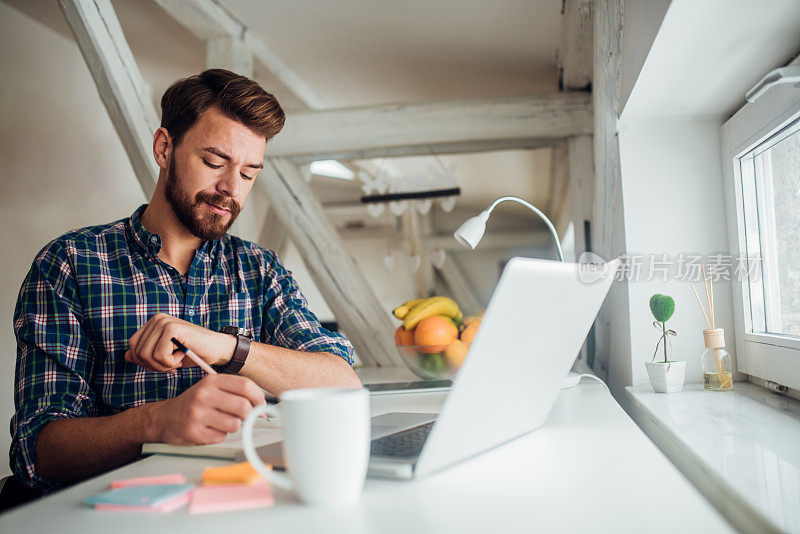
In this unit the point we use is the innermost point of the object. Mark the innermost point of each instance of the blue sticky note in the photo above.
(140, 495)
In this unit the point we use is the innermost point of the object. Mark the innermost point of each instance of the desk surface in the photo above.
(588, 469)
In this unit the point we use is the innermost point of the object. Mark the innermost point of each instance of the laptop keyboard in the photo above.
(405, 444)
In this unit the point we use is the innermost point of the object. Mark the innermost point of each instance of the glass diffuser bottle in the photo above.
(716, 362)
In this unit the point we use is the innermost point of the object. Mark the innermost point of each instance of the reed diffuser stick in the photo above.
(701, 306)
(705, 285)
(711, 303)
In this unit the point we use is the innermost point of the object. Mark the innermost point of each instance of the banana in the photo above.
(401, 311)
(432, 306)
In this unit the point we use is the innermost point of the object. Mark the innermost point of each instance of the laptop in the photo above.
(538, 317)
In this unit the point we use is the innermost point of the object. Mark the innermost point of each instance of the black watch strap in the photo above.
(239, 356)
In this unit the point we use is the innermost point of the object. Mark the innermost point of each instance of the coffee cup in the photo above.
(326, 441)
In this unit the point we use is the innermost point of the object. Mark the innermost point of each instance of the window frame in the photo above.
(767, 356)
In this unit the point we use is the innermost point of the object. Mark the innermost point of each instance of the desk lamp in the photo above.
(470, 233)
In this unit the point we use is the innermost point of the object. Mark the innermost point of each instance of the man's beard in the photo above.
(209, 226)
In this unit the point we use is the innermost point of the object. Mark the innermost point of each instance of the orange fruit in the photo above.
(403, 337)
(435, 333)
(455, 353)
(469, 332)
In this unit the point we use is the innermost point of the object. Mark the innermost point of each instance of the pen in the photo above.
(194, 357)
(207, 368)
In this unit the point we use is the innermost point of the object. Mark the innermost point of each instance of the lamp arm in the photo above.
(537, 212)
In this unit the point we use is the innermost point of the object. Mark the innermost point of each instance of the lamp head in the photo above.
(470, 233)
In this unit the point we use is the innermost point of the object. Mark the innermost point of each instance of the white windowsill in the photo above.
(740, 448)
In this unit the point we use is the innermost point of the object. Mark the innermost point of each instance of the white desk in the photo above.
(589, 469)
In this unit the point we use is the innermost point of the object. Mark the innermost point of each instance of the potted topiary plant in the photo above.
(665, 376)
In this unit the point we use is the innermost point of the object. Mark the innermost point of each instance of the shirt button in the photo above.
(191, 313)
(154, 239)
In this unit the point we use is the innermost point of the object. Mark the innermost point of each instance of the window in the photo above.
(771, 209)
(761, 161)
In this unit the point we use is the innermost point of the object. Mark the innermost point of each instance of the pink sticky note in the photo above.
(208, 499)
(164, 507)
(172, 478)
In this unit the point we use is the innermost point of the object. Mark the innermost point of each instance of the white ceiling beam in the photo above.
(416, 227)
(334, 270)
(208, 19)
(119, 82)
(430, 124)
(205, 19)
(558, 207)
(576, 54)
(581, 187)
(608, 223)
(229, 53)
(461, 147)
(288, 77)
(496, 240)
(462, 289)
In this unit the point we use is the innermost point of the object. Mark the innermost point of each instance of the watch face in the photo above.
(236, 331)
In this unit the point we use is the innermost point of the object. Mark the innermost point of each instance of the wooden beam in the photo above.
(273, 234)
(208, 19)
(558, 208)
(463, 291)
(427, 126)
(229, 53)
(334, 270)
(416, 228)
(497, 240)
(581, 185)
(576, 52)
(119, 83)
(205, 19)
(298, 87)
(608, 235)
(461, 147)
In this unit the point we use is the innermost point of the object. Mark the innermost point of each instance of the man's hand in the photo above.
(206, 412)
(152, 347)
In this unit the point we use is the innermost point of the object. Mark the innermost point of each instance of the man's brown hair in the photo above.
(237, 97)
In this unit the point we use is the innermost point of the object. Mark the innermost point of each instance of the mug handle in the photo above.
(278, 479)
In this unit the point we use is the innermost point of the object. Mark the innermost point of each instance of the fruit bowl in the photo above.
(434, 361)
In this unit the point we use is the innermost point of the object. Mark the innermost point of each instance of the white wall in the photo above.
(63, 165)
(674, 203)
(703, 59)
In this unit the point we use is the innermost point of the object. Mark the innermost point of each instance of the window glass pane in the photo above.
(785, 157)
(771, 196)
(755, 290)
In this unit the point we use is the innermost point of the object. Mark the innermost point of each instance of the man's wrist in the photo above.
(148, 422)
(227, 348)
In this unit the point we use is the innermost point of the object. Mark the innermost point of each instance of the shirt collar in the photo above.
(151, 242)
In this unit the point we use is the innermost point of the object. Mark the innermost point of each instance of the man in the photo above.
(97, 372)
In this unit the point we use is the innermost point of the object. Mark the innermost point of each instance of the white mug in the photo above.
(326, 440)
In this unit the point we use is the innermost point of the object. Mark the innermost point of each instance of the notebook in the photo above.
(264, 432)
(172, 478)
(150, 498)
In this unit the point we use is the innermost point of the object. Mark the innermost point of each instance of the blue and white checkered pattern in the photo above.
(91, 289)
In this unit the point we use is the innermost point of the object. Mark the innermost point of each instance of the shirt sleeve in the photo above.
(54, 360)
(288, 321)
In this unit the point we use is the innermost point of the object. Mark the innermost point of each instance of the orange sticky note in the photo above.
(236, 474)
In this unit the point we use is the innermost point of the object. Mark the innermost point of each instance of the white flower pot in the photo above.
(666, 377)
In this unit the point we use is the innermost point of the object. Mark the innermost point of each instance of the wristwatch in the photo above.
(243, 339)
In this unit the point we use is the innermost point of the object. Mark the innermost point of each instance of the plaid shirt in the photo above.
(91, 289)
